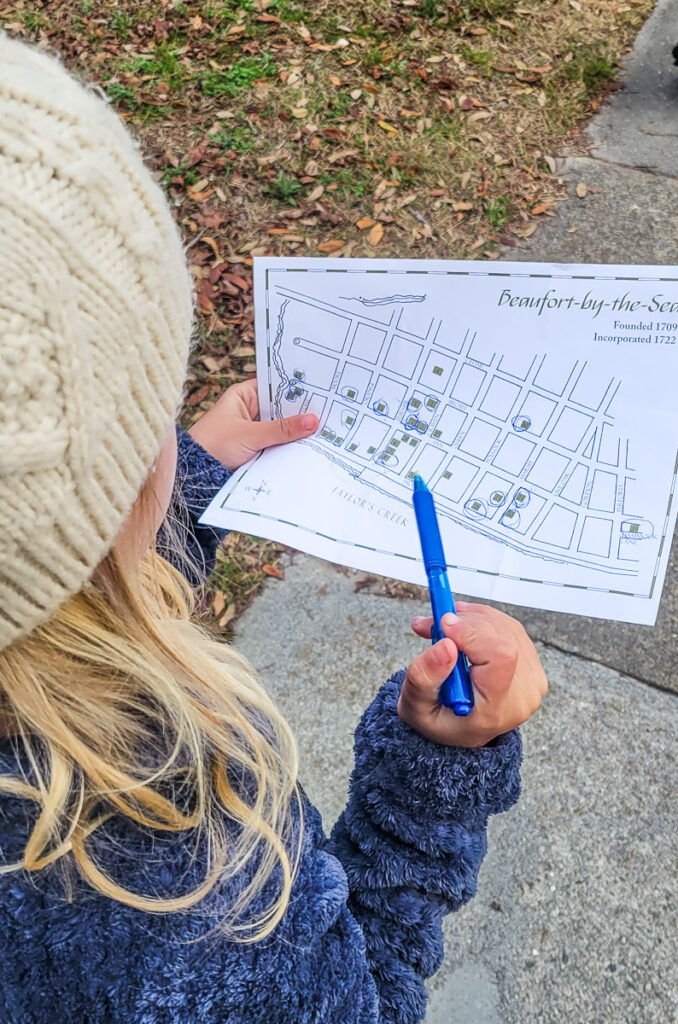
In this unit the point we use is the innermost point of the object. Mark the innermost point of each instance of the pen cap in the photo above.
(429, 532)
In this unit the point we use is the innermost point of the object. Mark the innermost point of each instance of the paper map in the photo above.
(537, 401)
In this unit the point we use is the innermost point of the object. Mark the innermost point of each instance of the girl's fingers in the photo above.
(264, 433)
(422, 626)
(250, 396)
(493, 654)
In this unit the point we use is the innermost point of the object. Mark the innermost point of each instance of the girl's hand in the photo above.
(508, 680)
(232, 432)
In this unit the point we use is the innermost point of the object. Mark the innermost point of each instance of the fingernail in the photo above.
(309, 422)
(442, 652)
(449, 619)
(417, 620)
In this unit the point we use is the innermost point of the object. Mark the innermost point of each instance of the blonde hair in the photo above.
(120, 669)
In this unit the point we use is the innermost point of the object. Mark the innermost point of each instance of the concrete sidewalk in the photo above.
(575, 919)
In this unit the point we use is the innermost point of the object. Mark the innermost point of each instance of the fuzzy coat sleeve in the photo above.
(411, 841)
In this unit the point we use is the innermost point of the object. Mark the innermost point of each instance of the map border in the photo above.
(459, 273)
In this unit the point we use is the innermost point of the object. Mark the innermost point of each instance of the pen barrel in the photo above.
(429, 531)
(456, 691)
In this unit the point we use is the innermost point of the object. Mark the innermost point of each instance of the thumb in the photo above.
(265, 433)
(493, 656)
(429, 670)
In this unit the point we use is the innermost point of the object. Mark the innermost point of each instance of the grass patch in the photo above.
(346, 184)
(596, 73)
(238, 139)
(164, 65)
(487, 9)
(241, 75)
(499, 211)
(286, 11)
(189, 175)
(480, 59)
(122, 24)
(284, 189)
(590, 67)
(121, 94)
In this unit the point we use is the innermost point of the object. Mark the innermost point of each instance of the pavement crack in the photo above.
(660, 135)
(598, 661)
(632, 167)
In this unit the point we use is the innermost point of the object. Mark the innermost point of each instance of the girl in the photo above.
(159, 862)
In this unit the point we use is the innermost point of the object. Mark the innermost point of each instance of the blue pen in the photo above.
(457, 691)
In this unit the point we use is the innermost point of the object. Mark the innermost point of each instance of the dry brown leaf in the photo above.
(198, 395)
(208, 240)
(199, 185)
(200, 197)
(364, 222)
(219, 603)
(273, 570)
(539, 209)
(341, 154)
(212, 364)
(331, 245)
(582, 190)
(315, 193)
(376, 234)
(227, 616)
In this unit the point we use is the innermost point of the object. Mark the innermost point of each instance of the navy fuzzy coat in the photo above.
(363, 928)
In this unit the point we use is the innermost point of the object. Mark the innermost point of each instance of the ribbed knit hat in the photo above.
(95, 321)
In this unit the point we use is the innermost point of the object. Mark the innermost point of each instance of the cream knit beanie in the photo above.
(95, 321)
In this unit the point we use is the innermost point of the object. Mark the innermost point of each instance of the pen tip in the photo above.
(419, 484)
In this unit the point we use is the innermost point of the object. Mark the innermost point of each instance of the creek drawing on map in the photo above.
(520, 447)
